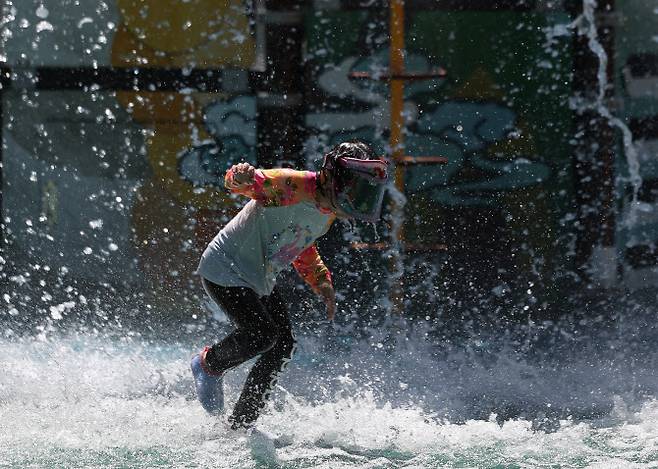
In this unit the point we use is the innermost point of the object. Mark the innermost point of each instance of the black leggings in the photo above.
(262, 327)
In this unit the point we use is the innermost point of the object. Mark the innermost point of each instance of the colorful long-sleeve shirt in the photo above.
(278, 227)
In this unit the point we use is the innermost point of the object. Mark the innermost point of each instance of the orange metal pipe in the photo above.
(397, 84)
(397, 92)
(396, 66)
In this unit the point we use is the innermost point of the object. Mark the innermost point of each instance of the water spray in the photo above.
(585, 24)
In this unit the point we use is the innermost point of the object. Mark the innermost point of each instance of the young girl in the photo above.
(289, 210)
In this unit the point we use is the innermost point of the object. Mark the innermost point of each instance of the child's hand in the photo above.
(326, 291)
(243, 173)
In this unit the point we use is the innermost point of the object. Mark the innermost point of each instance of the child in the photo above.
(289, 210)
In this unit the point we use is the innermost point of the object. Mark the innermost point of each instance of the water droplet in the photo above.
(42, 12)
(44, 26)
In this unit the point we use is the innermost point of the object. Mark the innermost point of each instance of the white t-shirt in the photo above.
(264, 238)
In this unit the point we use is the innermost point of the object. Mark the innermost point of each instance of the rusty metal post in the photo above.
(396, 77)
(396, 142)
(397, 53)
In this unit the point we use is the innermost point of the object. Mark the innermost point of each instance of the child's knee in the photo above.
(269, 339)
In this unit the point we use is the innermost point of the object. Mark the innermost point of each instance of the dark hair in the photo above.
(351, 149)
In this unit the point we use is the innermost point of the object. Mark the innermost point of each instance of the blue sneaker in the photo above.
(209, 385)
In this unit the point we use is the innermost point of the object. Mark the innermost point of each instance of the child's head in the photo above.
(353, 149)
(355, 178)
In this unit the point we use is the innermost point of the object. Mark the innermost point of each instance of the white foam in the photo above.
(79, 400)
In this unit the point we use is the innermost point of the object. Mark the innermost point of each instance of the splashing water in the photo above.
(95, 401)
(586, 25)
(585, 398)
(396, 251)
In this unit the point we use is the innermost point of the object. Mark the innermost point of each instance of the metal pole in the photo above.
(396, 141)
(397, 87)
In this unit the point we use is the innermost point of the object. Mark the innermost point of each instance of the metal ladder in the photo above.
(397, 76)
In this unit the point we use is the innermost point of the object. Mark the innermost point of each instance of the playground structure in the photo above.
(277, 84)
(397, 76)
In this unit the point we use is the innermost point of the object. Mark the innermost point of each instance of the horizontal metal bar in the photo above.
(474, 5)
(370, 246)
(120, 79)
(446, 5)
(409, 76)
(421, 160)
(289, 17)
(406, 246)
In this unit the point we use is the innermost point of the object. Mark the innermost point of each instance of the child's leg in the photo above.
(263, 375)
(255, 333)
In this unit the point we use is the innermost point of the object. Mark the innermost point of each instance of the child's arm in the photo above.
(310, 267)
(272, 187)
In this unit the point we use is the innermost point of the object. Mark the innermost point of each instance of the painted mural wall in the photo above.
(501, 204)
(125, 187)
